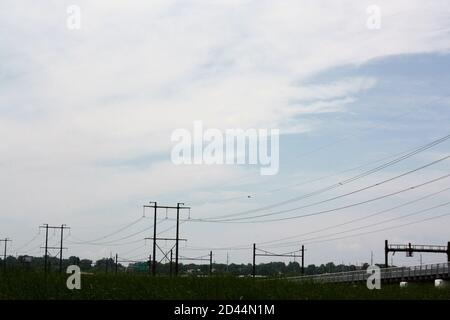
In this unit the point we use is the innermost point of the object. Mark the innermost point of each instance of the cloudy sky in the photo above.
(86, 117)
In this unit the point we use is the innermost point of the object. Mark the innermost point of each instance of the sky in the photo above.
(86, 117)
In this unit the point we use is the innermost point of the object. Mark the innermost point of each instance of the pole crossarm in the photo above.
(165, 207)
(166, 239)
(53, 227)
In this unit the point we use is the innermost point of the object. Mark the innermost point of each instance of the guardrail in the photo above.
(439, 270)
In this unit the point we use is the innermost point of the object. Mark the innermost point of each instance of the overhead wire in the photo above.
(341, 183)
(360, 218)
(239, 220)
(246, 247)
(277, 245)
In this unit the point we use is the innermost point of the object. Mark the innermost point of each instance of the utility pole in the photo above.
(154, 238)
(149, 263)
(448, 251)
(177, 237)
(155, 206)
(210, 263)
(386, 252)
(254, 261)
(46, 248)
(303, 259)
(4, 251)
(371, 257)
(117, 258)
(171, 259)
(60, 248)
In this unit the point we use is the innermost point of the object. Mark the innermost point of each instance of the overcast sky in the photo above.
(86, 117)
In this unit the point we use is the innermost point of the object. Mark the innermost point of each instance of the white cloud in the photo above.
(116, 89)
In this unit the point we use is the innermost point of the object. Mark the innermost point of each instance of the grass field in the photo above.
(134, 286)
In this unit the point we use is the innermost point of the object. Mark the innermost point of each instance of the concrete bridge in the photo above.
(425, 272)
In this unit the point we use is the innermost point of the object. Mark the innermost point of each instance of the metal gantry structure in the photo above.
(292, 254)
(410, 249)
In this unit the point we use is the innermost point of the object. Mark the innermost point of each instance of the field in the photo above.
(37, 286)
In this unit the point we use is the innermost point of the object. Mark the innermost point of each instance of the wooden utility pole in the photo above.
(60, 248)
(6, 240)
(171, 259)
(210, 263)
(303, 259)
(254, 261)
(155, 206)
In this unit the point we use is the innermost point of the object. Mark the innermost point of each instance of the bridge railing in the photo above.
(436, 270)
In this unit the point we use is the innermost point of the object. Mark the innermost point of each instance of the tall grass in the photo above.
(38, 286)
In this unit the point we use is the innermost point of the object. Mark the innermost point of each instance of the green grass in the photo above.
(29, 285)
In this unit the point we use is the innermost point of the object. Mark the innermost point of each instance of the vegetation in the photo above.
(37, 285)
(108, 264)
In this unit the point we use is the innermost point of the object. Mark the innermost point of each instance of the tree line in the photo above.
(109, 265)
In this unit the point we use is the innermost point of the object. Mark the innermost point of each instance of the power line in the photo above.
(28, 242)
(366, 226)
(332, 144)
(115, 241)
(266, 253)
(383, 229)
(357, 234)
(239, 220)
(339, 184)
(114, 232)
(297, 184)
(245, 247)
(133, 250)
(360, 218)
